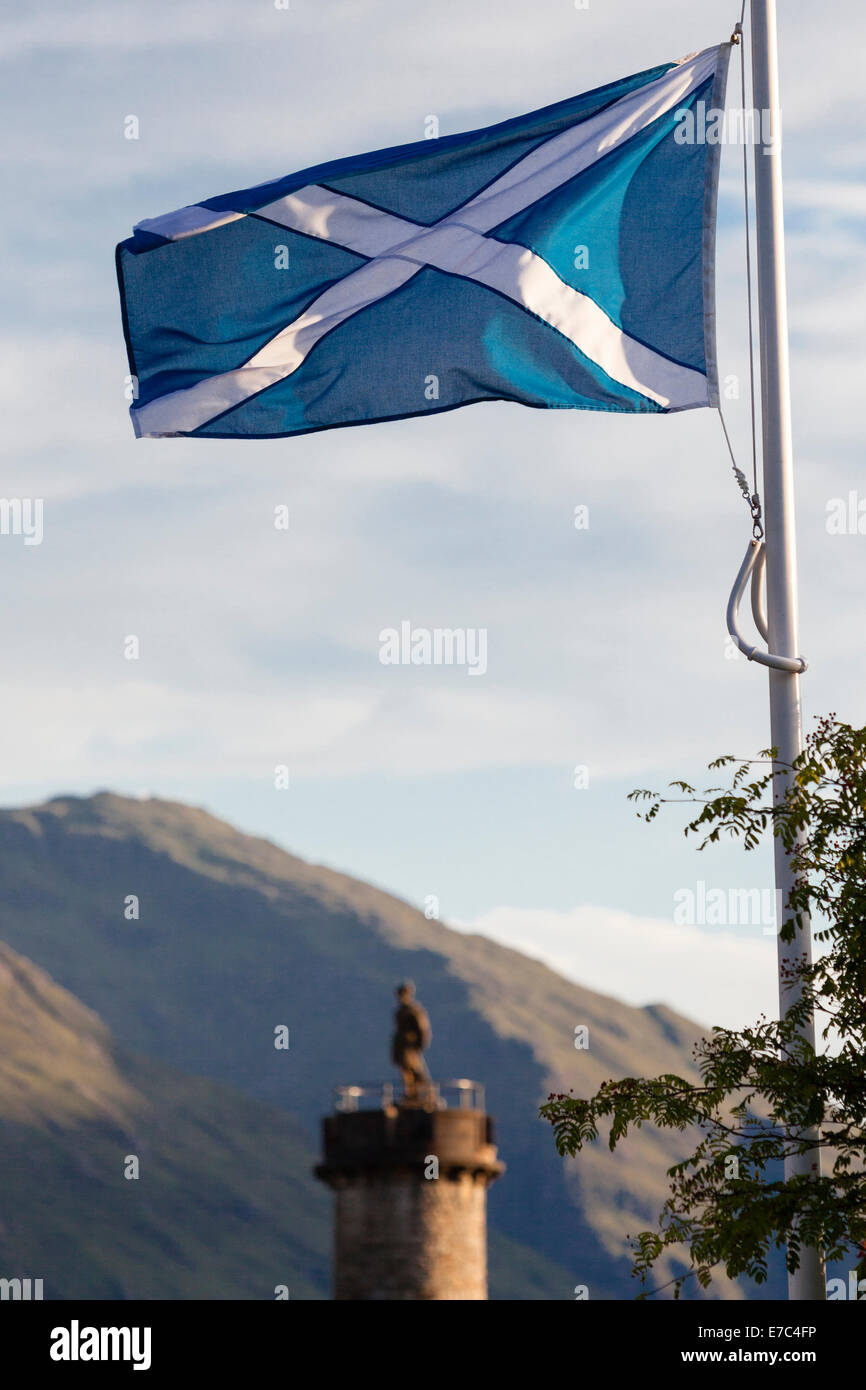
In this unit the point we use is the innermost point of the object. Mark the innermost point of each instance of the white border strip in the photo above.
(708, 243)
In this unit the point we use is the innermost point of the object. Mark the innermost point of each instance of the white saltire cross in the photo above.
(458, 244)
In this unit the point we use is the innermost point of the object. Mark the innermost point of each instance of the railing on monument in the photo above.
(432, 1095)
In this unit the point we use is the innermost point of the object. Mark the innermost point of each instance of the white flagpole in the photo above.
(785, 713)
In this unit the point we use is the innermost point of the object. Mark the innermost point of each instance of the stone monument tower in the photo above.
(410, 1166)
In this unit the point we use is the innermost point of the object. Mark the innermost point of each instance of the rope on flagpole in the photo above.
(742, 47)
(752, 498)
(755, 559)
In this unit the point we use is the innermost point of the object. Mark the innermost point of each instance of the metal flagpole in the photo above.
(778, 483)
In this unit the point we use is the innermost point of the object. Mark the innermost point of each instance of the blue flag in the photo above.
(563, 259)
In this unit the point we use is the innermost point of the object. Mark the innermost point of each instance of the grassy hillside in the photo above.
(224, 1206)
(236, 937)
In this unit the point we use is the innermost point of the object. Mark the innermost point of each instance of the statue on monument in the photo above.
(412, 1034)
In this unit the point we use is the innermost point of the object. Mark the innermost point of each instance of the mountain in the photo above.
(236, 937)
(223, 1206)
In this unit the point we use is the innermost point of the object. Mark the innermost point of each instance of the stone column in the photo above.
(410, 1184)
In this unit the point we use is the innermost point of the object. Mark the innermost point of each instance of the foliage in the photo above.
(765, 1092)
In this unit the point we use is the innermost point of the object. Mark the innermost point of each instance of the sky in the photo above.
(259, 647)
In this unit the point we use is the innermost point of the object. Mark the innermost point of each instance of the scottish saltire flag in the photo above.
(562, 259)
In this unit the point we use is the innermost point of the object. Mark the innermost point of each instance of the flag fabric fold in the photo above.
(562, 259)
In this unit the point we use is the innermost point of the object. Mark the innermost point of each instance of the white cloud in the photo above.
(606, 647)
(715, 976)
